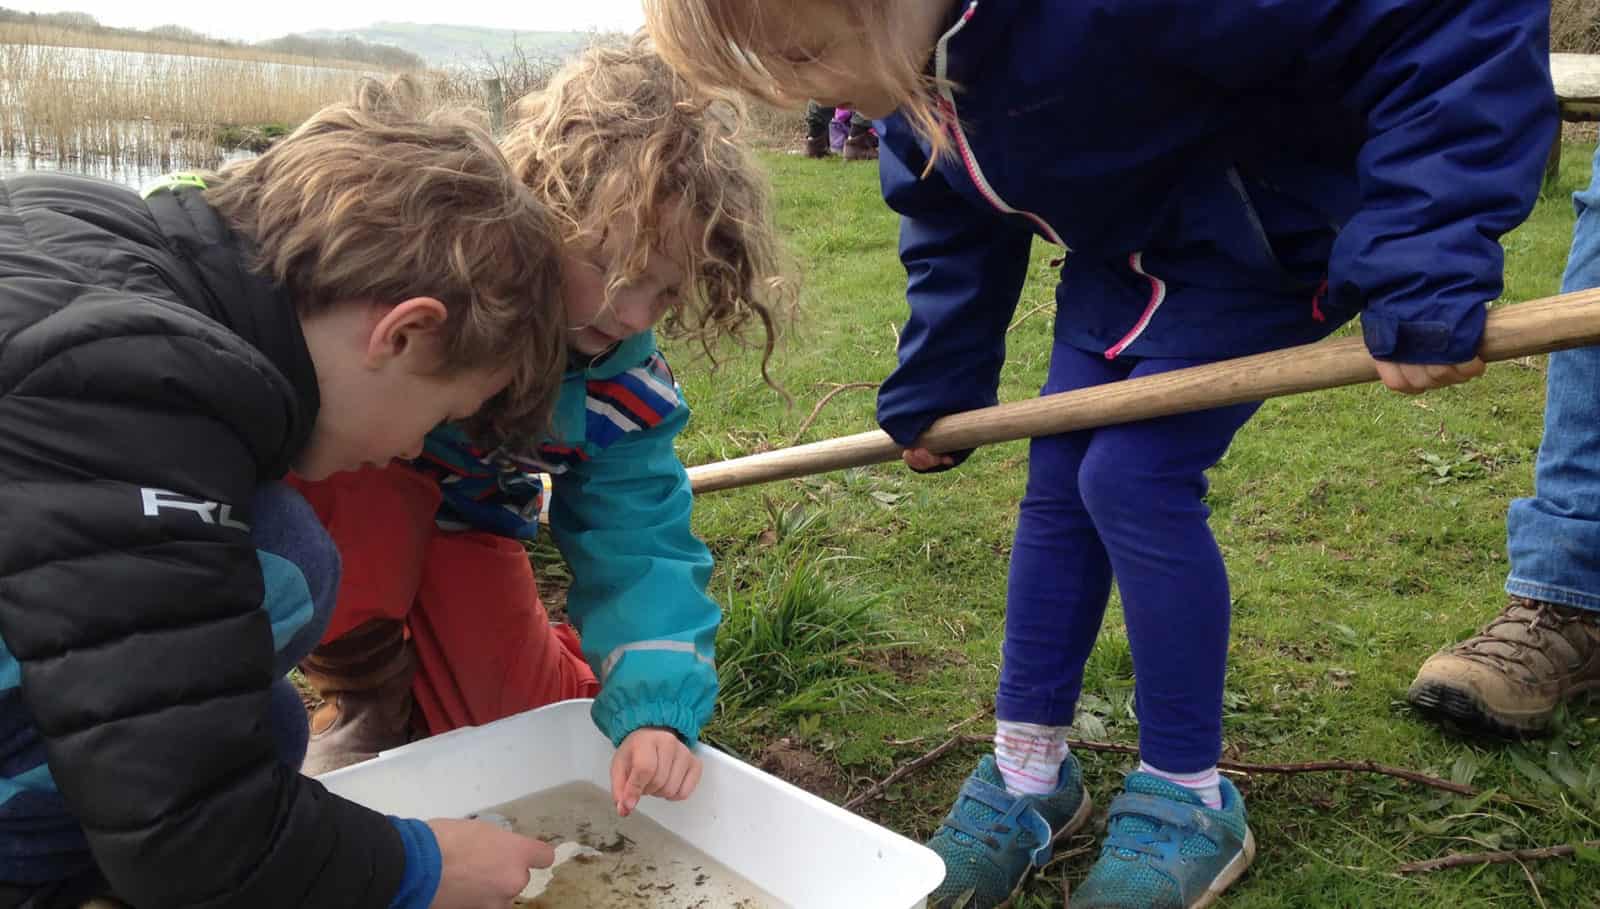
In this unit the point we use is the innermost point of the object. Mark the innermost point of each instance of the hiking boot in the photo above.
(992, 840)
(860, 148)
(364, 679)
(1509, 678)
(1165, 849)
(817, 147)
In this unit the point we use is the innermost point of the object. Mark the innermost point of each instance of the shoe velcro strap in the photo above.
(988, 794)
(1161, 810)
(1015, 812)
(1034, 822)
(995, 798)
(966, 826)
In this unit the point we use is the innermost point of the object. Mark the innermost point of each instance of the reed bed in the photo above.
(66, 104)
(1575, 26)
(56, 36)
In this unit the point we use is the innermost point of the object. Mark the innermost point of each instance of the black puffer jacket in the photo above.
(142, 365)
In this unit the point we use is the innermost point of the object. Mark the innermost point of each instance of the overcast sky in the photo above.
(255, 20)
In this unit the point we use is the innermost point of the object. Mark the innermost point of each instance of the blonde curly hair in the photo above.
(737, 45)
(618, 141)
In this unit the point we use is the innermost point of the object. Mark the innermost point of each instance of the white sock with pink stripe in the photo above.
(1206, 784)
(1029, 756)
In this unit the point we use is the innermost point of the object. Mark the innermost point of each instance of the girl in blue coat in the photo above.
(1220, 180)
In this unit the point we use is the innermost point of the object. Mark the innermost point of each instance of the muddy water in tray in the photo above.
(640, 862)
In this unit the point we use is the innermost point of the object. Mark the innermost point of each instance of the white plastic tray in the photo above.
(800, 848)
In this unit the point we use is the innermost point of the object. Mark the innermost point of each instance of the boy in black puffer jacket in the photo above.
(163, 362)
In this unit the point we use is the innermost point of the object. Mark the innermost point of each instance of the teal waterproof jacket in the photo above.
(618, 508)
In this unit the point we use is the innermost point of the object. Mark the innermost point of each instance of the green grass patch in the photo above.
(793, 644)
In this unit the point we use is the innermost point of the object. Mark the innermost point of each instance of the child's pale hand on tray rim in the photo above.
(652, 761)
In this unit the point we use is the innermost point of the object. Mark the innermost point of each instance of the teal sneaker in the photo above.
(1165, 849)
(992, 840)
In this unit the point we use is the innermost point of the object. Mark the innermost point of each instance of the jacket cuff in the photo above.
(424, 865)
(617, 717)
(1423, 341)
(904, 429)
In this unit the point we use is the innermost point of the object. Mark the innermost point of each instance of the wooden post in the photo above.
(494, 98)
(1577, 83)
(1552, 164)
(1538, 326)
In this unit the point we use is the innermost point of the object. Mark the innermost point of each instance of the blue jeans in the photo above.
(1553, 538)
(1124, 501)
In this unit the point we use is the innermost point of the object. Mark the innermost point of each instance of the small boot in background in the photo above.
(817, 119)
(862, 144)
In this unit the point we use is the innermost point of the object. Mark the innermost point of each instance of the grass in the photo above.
(793, 644)
(1363, 530)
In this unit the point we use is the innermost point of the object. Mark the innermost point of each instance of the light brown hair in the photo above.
(615, 141)
(732, 45)
(375, 200)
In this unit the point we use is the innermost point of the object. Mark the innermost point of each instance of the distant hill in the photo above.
(441, 45)
(70, 29)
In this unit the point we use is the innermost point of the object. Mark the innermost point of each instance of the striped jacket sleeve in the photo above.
(621, 518)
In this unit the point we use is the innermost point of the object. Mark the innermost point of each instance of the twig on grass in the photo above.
(1463, 859)
(812, 418)
(1029, 314)
(987, 711)
(909, 768)
(1421, 779)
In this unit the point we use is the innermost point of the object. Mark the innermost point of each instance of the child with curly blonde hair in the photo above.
(665, 221)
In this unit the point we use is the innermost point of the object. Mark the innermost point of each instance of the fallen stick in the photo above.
(1373, 767)
(1028, 315)
(1506, 857)
(901, 743)
(1421, 779)
(909, 768)
(812, 418)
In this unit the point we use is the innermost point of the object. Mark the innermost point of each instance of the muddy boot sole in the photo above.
(1464, 710)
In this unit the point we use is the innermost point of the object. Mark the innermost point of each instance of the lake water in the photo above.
(128, 171)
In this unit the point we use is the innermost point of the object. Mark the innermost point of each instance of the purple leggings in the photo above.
(1123, 501)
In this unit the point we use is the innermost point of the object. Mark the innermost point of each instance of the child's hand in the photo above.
(483, 866)
(1415, 378)
(652, 761)
(922, 460)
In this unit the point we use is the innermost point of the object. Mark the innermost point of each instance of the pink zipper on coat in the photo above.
(1158, 295)
(947, 104)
